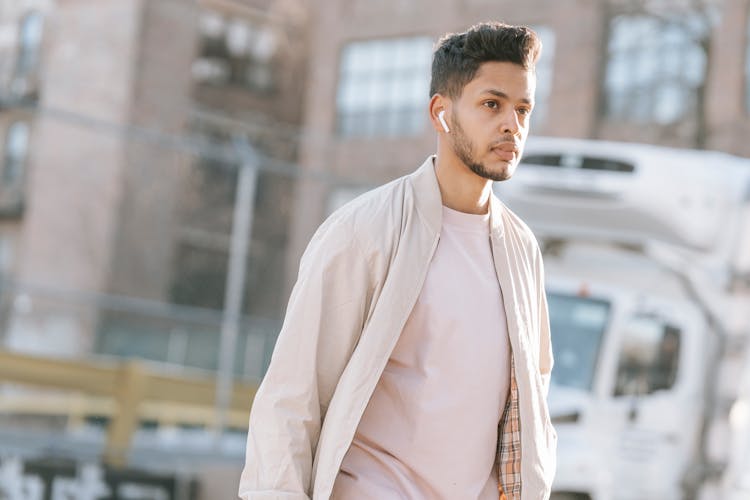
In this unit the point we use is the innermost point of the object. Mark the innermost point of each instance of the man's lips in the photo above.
(506, 150)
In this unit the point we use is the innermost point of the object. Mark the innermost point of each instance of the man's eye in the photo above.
(524, 111)
(491, 104)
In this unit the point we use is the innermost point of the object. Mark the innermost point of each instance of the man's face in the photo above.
(490, 120)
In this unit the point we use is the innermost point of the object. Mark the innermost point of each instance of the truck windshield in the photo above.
(577, 325)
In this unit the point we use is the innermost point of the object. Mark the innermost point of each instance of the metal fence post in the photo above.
(242, 221)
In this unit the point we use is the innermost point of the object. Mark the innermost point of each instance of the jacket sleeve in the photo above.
(323, 322)
(546, 360)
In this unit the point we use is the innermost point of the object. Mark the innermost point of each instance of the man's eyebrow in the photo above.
(503, 95)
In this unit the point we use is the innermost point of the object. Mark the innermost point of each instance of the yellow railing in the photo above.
(125, 392)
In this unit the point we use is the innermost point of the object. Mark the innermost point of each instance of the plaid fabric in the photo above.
(509, 444)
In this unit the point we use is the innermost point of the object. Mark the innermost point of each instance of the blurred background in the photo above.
(163, 164)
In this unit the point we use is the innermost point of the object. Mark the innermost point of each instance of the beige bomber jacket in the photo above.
(359, 278)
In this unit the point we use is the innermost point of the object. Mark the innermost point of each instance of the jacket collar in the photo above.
(430, 204)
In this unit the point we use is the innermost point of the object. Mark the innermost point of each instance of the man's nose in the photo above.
(510, 123)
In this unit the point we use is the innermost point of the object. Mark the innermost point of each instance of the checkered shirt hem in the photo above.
(509, 444)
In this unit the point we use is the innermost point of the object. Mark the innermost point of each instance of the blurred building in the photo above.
(122, 122)
(665, 72)
(125, 122)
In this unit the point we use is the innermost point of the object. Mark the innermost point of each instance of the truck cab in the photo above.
(631, 365)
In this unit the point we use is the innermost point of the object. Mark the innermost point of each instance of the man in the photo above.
(415, 355)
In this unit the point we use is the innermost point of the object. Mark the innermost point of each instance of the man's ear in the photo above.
(440, 113)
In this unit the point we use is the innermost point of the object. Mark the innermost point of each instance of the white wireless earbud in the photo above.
(441, 117)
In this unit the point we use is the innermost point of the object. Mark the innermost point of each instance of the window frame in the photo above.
(383, 113)
(634, 97)
(239, 66)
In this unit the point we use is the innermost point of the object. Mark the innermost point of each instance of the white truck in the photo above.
(736, 480)
(647, 256)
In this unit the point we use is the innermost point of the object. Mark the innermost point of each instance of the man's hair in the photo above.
(458, 56)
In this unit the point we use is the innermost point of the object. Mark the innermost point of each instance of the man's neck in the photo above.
(460, 188)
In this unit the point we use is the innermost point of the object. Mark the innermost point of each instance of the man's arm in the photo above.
(323, 322)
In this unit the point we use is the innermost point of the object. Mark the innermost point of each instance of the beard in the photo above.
(463, 147)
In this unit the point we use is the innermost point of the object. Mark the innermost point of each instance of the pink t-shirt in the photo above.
(430, 428)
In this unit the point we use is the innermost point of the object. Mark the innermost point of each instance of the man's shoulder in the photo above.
(376, 206)
(372, 201)
(366, 219)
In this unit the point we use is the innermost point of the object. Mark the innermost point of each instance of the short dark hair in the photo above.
(458, 56)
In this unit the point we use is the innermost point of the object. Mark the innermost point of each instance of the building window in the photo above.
(544, 73)
(6, 256)
(201, 281)
(30, 43)
(186, 337)
(384, 87)
(655, 67)
(206, 210)
(16, 152)
(235, 52)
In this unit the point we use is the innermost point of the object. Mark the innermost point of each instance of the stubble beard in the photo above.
(463, 149)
